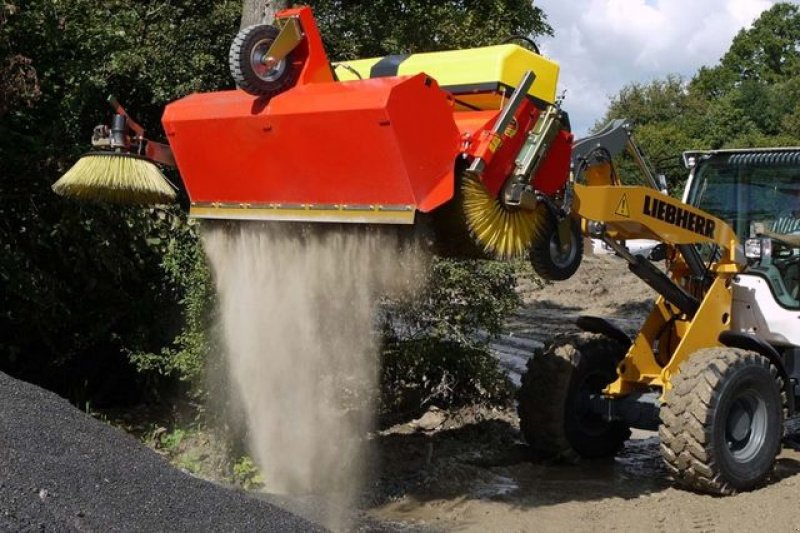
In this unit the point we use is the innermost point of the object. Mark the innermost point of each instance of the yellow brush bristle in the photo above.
(502, 232)
(115, 178)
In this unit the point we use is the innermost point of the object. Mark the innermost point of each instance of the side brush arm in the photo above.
(127, 135)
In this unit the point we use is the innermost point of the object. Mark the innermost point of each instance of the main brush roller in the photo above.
(502, 232)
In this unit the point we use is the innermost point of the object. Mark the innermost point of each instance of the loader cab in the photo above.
(757, 192)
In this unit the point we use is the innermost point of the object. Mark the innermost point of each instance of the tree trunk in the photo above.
(261, 11)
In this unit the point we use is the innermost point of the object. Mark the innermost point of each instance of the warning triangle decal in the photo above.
(622, 208)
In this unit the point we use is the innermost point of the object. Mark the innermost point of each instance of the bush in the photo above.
(436, 342)
(185, 267)
(84, 286)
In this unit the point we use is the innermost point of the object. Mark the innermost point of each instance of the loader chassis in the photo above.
(716, 365)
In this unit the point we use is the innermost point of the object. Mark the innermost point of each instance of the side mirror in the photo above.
(758, 248)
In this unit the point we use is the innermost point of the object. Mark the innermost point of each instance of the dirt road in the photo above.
(474, 473)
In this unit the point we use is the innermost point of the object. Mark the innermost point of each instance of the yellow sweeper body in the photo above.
(479, 76)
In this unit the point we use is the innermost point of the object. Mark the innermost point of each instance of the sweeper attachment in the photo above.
(470, 145)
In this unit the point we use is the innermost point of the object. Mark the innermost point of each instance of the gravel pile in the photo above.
(61, 470)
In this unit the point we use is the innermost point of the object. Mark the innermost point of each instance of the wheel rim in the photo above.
(560, 258)
(257, 57)
(746, 426)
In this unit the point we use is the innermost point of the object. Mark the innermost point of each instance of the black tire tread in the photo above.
(689, 406)
(239, 63)
(539, 256)
(543, 395)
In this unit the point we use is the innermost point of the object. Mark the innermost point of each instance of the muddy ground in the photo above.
(465, 470)
(473, 472)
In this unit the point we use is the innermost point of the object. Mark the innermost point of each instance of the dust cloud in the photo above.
(298, 313)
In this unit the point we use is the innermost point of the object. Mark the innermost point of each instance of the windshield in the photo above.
(753, 193)
(757, 194)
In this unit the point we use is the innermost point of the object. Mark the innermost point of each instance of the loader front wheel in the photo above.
(250, 67)
(554, 408)
(722, 421)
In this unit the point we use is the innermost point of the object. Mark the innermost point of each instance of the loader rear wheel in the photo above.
(553, 401)
(722, 421)
(246, 60)
(549, 258)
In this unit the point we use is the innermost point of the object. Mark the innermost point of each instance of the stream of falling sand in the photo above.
(298, 315)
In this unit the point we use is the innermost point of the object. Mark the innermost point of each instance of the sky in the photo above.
(602, 45)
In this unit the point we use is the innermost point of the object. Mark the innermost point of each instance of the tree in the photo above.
(751, 98)
(82, 286)
(18, 81)
(662, 112)
(768, 52)
(354, 29)
(260, 11)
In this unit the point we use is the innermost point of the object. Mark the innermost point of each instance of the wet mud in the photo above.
(474, 473)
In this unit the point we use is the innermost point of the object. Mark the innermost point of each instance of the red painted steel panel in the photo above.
(381, 141)
(553, 173)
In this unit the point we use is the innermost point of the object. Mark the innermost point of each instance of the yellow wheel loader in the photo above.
(715, 367)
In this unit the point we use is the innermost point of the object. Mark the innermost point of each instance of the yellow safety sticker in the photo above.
(622, 208)
(494, 144)
(511, 130)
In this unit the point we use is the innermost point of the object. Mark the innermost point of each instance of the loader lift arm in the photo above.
(613, 139)
(694, 302)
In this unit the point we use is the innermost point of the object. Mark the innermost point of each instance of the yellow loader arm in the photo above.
(695, 298)
(645, 213)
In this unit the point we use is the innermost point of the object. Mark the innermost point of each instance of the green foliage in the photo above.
(171, 441)
(658, 101)
(751, 99)
(84, 285)
(246, 474)
(185, 266)
(354, 29)
(436, 343)
(434, 371)
(461, 300)
(204, 452)
(765, 53)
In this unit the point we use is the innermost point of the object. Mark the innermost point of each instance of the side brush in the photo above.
(121, 167)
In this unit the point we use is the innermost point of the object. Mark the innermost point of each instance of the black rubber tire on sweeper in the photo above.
(545, 255)
(554, 416)
(722, 421)
(249, 45)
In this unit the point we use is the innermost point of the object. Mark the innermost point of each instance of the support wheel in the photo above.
(553, 402)
(549, 259)
(722, 421)
(247, 58)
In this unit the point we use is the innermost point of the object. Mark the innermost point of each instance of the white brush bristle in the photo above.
(115, 178)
